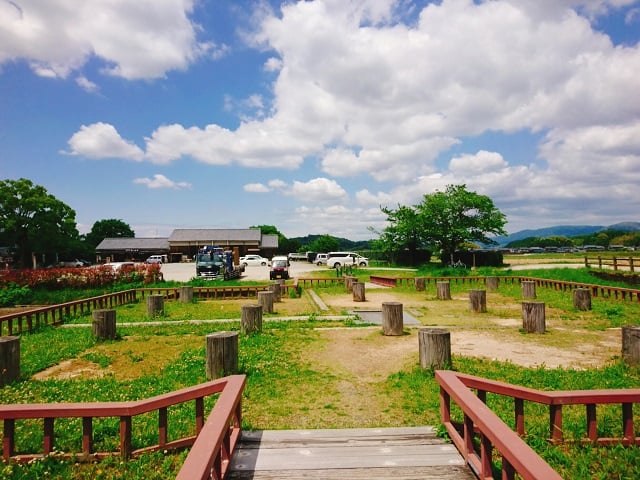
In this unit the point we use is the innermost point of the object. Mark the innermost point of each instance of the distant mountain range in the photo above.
(566, 231)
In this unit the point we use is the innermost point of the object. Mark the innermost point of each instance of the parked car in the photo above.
(155, 259)
(339, 259)
(279, 268)
(72, 263)
(117, 266)
(253, 260)
(321, 258)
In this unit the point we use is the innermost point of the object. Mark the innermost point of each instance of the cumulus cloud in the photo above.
(482, 161)
(256, 188)
(102, 140)
(160, 181)
(318, 190)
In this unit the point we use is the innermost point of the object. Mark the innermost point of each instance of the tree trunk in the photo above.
(492, 283)
(9, 360)
(104, 324)
(155, 305)
(251, 319)
(420, 282)
(186, 294)
(582, 299)
(478, 301)
(435, 348)
(533, 317)
(358, 292)
(444, 290)
(222, 354)
(631, 345)
(277, 291)
(265, 299)
(392, 318)
(528, 289)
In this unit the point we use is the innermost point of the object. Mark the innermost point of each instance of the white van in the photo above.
(341, 259)
(156, 259)
(321, 259)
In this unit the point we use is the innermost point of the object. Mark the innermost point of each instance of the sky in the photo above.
(312, 115)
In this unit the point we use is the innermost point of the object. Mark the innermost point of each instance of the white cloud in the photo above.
(318, 190)
(256, 188)
(160, 181)
(101, 140)
(482, 161)
(87, 84)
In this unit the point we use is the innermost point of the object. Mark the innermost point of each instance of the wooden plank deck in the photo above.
(354, 454)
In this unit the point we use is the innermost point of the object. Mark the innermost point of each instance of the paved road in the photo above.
(183, 272)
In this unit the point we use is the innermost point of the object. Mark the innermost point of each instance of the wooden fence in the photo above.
(616, 263)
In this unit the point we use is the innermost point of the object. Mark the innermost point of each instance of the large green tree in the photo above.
(325, 243)
(34, 221)
(108, 228)
(284, 244)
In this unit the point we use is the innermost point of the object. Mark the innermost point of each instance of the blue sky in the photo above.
(311, 115)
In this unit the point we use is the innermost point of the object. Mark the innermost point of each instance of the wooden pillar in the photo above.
(420, 282)
(155, 305)
(265, 299)
(631, 344)
(528, 289)
(104, 324)
(492, 283)
(444, 290)
(251, 319)
(435, 348)
(9, 360)
(222, 354)
(276, 289)
(392, 318)
(582, 299)
(186, 294)
(358, 292)
(478, 301)
(533, 317)
(349, 281)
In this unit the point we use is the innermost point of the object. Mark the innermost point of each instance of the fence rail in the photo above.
(517, 456)
(617, 263)
(220, 431)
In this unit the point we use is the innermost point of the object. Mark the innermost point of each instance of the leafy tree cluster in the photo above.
(604, 238)
(443, 222)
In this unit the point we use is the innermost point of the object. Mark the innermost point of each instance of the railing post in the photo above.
(47, 441)
(87, 435)
(615, 263)
(445, 406)
(631, 264)
(627, 423)
(592, 422)
(519, 415)
(162, 426)
(468, 436)
(9, 440)
(486, 450)
(125, 437)
(555, 422)
(199, 414)
(508, 472)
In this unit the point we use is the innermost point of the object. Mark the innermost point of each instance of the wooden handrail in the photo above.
(493, 432)
(227, 407)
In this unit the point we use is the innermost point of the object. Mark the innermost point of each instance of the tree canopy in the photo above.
(34, 221)
(108, 228)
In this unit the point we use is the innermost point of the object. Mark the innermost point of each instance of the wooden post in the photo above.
(9, 360)
(528, 289)
(420, 284)
(478, 301)
(358, 292)
(348, 283)
(276, 289)
(265, 299)
(251, 319)
(533, 317)
(104, 324)
(631, 344)
(155, 305)
(435, 348)
(392, 318)
(186, 294)
(222, 354)
(492, 283)
(444, 290)
(582, 299)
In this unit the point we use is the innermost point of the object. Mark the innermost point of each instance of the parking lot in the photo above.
(183, 272)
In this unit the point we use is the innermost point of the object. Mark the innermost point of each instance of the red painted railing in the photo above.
(517, 456)
(219, 433)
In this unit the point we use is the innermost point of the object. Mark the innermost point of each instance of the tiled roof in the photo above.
(131, 243)
(215, 235)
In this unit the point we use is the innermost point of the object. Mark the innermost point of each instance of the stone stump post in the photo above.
(276, 289)
(582, 299)
(478, 301)
(348, 283)
(185, 294)
(492, 283)
(528, 289)
(435, 348)
(222, 354)
(533, 317)
(155, 305)
(443, 290)
(631, 345)
(9, 360)
(358, 292)
(392, 318)
(103, 323)
(265, 299)
(251, 319)
(420, 284)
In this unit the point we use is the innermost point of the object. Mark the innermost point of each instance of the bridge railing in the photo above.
(218, 435)
(517, 456)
